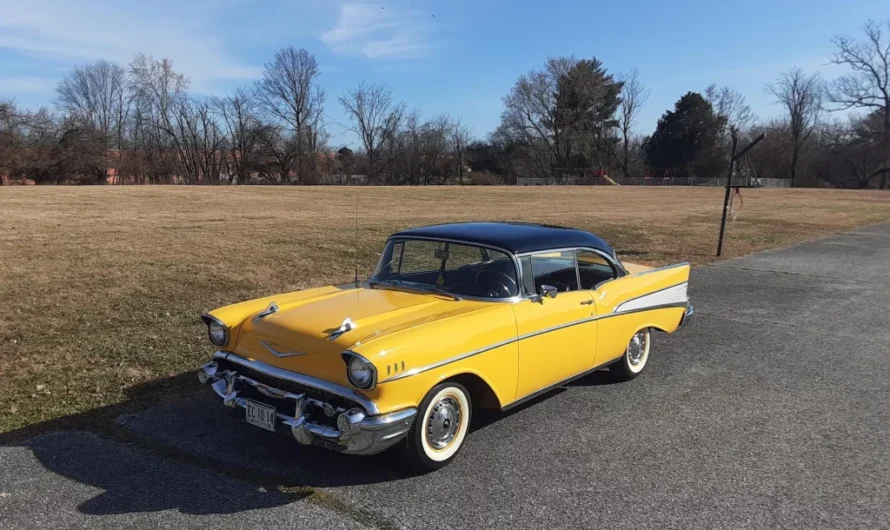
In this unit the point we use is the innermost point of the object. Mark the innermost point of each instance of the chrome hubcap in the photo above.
(636, 348)
(443, 422)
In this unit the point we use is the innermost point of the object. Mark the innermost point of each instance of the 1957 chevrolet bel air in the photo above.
(456, 317)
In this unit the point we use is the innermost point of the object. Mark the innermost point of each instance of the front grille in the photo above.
(283, 384)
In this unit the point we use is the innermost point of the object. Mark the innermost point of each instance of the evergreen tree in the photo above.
(686, 139)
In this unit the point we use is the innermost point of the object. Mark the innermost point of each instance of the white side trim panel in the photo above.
(671, 295)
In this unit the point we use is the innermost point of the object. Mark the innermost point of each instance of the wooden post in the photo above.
(735, 156)
(735, 142)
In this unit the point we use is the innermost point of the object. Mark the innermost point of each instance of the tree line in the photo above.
(571, 117)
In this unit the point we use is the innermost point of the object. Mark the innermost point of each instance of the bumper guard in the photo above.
(365, 434)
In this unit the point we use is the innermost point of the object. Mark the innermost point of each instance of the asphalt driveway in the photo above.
(771, 410)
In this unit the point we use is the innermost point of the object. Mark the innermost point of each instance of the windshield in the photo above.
(458, 269)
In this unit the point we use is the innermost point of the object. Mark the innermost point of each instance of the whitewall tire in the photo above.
(440, 427)
(635, 356)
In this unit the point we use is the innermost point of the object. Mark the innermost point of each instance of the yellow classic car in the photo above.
(456, 317)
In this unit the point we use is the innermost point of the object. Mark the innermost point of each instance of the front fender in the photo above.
(412, 361)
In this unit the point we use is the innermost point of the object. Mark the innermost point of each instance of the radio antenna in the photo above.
(355, 240)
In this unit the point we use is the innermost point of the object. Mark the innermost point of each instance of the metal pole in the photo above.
(735, 142)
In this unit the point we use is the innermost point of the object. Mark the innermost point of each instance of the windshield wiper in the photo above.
(414, 287)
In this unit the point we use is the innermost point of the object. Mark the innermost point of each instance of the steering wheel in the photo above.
(500, 282)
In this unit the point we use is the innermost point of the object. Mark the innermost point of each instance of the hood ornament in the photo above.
(272, 347)
(347, 325)
(273, 308)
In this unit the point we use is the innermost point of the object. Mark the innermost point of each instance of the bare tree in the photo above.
(95, 101)
(562, 116)
(12, 123)
(531, 115)
(848, 152)
(633, 97)
(241, 128)
(161, 95)
(375, 119)
(801, 96)
(460, 136)
(730, 105)
(867, 86)
(201, 140)
(289, 91)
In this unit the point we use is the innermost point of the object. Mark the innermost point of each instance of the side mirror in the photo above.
(548, 291)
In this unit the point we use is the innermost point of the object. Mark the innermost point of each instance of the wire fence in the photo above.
(654, 181)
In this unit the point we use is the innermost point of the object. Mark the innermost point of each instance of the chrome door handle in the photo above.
(587, 302)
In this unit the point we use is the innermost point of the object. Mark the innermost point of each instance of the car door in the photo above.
(596, 270)
(556, 336)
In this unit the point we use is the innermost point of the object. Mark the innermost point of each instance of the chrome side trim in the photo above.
(673, 305)
(667, 267)
(421, 369)
(302, 379)
(559, 327)
(656, 298)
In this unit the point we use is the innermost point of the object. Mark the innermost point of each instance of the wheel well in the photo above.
(480, 393)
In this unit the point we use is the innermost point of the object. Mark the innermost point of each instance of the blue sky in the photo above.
(455, 56)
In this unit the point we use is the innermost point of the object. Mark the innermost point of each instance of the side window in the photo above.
(593, 269)
(556, 269)
(528, 276)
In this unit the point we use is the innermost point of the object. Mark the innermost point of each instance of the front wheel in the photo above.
(634, 359)
(440, 427)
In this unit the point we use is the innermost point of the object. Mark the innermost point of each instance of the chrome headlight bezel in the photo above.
(351, 358)
(215, 327)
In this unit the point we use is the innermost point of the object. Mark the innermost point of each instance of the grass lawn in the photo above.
(101, 287)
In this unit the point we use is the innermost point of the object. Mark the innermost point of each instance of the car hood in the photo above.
(297, 337)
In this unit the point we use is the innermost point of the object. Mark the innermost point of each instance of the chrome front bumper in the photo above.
(368, 433)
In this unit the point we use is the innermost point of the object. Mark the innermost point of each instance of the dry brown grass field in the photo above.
(101, 287)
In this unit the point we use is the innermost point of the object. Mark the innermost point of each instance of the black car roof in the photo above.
(514, 237)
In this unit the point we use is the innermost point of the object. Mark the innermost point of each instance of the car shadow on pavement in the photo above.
(186, 451)
(598, 378)
(136, 473)
(135, 481)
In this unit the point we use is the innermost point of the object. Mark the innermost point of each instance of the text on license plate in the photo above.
(260, 415)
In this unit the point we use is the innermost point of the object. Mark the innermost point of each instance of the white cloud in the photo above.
(76, 32)
(379, 32)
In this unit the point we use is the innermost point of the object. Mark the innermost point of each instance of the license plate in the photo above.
(260, 415)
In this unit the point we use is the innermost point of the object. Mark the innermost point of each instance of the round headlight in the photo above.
(217, 332)
(360, 372)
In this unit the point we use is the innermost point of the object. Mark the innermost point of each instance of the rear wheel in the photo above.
(635, 357)
(440, 427)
